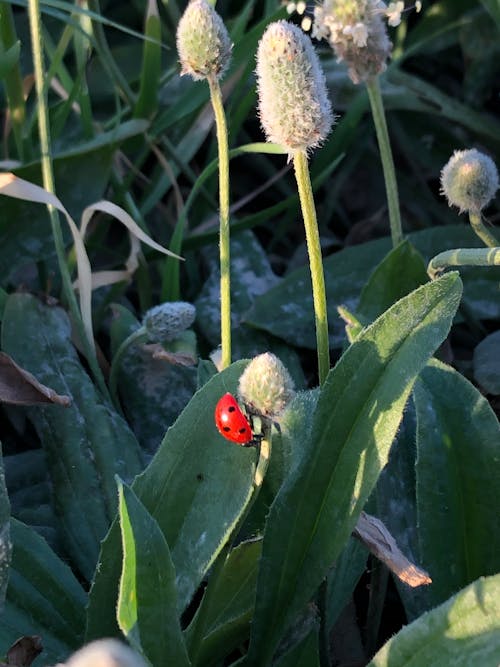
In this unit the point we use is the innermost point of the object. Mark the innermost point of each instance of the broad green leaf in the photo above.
(343, 578)
(5, 543)
(286, 310)
(147, 603)
(494, 9)
(222, 621)
(251, 276)
(43, 598)
(85, 444)
(487, 363)
(305, 654)
(357, 416)
(458, 481)
(153, 392)
(394, 502)
(30, 494)
(400, 272)
(462, 632)
(196, 488)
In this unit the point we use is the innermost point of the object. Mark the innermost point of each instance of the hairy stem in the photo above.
(224, 247)
(391, 186)
(315, 262)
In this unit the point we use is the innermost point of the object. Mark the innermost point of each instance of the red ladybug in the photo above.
(231, 422)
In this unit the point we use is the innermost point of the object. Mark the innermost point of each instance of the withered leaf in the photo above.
(19, 387)
(23, 651)
(375, 536)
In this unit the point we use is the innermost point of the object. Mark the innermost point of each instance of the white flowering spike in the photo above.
(293, 101)
(356, 31)
(203, 43)
(166, 321)
(469, 180)
(265, 386)
(105, 653)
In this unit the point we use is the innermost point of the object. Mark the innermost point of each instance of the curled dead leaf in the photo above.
(375, 536)
(19, 387)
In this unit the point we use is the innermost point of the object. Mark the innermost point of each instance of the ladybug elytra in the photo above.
(231, 422)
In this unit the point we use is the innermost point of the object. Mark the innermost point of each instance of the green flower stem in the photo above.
(315, 262)
(224, 247)
(48, 183)
(137, 336)
(13, 80)
(463, 257)
(486, 236)
(391, 186)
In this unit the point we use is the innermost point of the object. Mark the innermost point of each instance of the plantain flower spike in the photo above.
(469, 180)
(203, 43)
(266, 386)
(168, 320)
(294, 107)
(356, 31)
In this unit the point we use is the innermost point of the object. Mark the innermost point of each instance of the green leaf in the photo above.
(487, 363)
(494, 9)
(9, 58)
(400, 272)
(43, 598)
(164, 389)
(85, 444)
(222, 621)
(458, 481)
(147, 101)
(286, 310)
(196, 488)
(5, 543)
(81, 176)
(358, 413)
(394, 502)
(343, 578)
(305, 654)
(147, 603)
(463, 631)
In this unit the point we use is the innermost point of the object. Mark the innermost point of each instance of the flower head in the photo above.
(293, 102)
(266, 386)
(203, 42)
(356, 31)
(166, 321)
(469, 180)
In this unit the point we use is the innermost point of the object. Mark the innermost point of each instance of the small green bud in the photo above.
(469, 180)
(265, 386)
(105, 653)
(293, 101)
(203, 43)
(166, 321)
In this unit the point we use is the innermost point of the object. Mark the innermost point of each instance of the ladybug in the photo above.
(232, 423)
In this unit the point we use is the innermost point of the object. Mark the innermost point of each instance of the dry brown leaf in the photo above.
(23, 651)
(375, 536)
(19, 387)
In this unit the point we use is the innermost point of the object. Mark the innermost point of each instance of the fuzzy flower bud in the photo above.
(265, 386)
(105, 653)
(203, 42)
(293, 102)
(469, 180)
(166, 321)
(356, 31)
